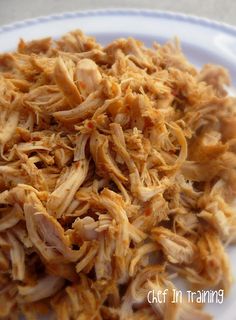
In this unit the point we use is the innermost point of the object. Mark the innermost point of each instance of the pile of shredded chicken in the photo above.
(117, 175)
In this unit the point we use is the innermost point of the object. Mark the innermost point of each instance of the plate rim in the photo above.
(153, 13)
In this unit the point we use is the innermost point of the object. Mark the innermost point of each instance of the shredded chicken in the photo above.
(117, 168)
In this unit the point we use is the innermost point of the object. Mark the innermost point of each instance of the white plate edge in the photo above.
(225, 27)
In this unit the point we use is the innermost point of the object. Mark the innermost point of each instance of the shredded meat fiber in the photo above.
(117, 173)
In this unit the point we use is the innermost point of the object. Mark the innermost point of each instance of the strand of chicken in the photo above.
(117, 173)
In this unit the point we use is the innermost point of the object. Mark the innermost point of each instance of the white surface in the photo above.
(202, 41)
(13, 10)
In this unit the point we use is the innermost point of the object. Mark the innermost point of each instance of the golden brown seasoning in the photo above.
(117, 167)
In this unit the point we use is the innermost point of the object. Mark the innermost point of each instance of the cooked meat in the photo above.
(87, 76)
(216, 76)
(176, 248)
(65, 82)
(46, 233)
(44, 288)
(117, 174)
(17, 256)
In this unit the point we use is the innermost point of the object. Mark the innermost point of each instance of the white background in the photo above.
(13, 10)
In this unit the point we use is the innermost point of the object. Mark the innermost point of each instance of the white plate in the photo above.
(203, 41)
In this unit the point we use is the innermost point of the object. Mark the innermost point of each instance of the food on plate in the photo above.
(117, 174)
